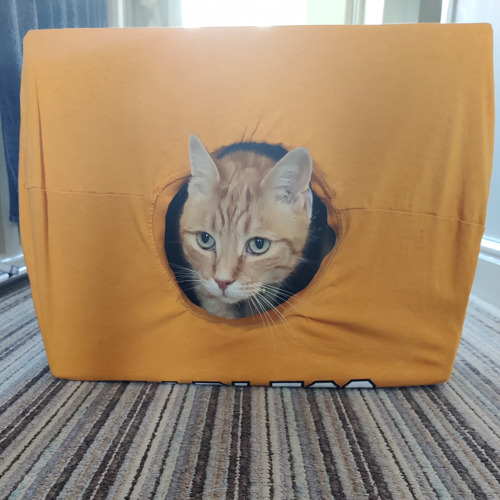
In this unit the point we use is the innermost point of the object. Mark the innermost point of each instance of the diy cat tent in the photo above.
(399, 122)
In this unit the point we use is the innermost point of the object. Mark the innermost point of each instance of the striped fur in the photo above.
(67, 439)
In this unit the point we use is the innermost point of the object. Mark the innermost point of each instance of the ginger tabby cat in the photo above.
(244, 227)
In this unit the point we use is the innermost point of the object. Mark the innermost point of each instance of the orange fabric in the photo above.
(399, 122)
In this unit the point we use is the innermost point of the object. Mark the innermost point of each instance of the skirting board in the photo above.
(487, 281)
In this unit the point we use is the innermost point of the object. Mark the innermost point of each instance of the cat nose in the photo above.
(223, 284)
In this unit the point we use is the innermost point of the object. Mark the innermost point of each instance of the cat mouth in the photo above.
(228, 299)
(233, 294)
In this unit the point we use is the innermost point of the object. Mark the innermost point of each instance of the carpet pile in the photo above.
(130, 440)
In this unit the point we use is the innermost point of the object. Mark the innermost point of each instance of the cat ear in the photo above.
(204, 173)
(289, 178)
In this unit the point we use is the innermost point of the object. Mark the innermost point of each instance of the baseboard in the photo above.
(487, 280)
(12, 267)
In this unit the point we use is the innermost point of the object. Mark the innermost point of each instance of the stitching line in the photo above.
(93, 193)
(403, 212)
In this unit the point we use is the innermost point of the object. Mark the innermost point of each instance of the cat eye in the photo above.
(258, 246)
(206, 241)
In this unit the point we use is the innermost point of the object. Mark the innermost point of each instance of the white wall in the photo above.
(487, 282)
(10, 245)
(488, 11)
(326, 11)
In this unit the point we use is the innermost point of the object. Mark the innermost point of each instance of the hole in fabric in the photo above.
(320, 241)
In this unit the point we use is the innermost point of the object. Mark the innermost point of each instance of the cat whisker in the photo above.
(267, 314)
(250, 301)
(293, 306)
(188, 288)
(289, 299)
(303, 260)
(247, 301)
(283, 295)
(243, 136)
(280, 315)
(258, 311)
(187, 279)
(184, 268)
(173, 264)
(255, 130)
(264, 315)
(188, 284)
(276, 289)
(261, 310)
(184, 272)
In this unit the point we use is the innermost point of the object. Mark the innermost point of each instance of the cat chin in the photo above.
(232, 296)
(227, 300)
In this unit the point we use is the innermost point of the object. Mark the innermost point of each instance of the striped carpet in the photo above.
(69, 440)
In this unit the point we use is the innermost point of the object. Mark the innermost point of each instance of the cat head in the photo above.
(245, 222)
